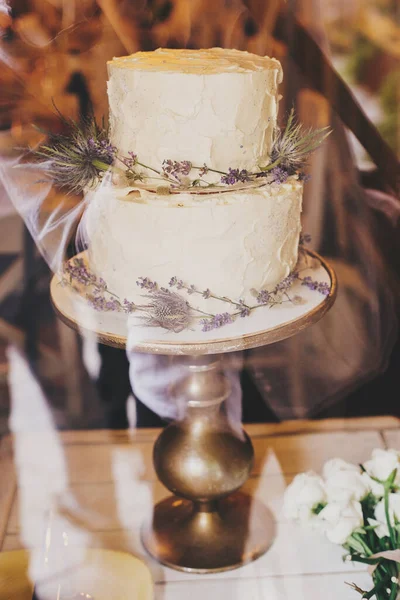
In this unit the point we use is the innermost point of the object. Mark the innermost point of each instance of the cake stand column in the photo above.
(207, 526)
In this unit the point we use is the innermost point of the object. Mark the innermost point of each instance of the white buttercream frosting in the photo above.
(228, 242)
(215, 106)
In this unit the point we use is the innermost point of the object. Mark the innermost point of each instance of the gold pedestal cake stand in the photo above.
(207, 525)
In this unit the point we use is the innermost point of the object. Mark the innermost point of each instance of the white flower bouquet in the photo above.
(357, 507)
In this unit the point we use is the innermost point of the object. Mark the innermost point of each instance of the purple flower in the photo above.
(263, 297)
(131, 161)
(235, 176)
(179, 284)
(204, 170)
(319, 286)
(103, 304)
(146, 283)
(206, 294)
(310, 283)
(128, 307)
(280, 175)
(103, 149)
(174, 168)
(172, 281)
(285, 284)
(216, 321)
(324, 288)
(191, 289)
(244, 309)
(78, 271)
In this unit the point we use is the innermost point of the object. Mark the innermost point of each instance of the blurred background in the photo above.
(341, 65)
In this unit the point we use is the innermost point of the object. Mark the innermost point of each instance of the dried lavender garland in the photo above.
(78, 159)
(169, 310)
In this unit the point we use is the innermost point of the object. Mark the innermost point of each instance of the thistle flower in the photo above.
(167, 310)
(76, 160)
(293, 145)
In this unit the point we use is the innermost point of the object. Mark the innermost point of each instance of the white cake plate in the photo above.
(265, 325)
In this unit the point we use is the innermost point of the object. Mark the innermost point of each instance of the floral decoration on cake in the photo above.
(79, 159)
(170, 307)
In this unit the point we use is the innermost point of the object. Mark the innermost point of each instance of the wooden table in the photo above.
(102, 485)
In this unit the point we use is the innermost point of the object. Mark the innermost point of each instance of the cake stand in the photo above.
(207, 525)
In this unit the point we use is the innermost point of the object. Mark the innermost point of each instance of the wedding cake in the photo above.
(200, 204)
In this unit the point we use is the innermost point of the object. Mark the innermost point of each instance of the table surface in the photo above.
(102, 486)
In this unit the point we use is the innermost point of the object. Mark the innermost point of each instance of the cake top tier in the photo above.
(215, 107)
(196, 62)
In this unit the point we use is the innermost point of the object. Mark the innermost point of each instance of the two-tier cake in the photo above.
(201, 205)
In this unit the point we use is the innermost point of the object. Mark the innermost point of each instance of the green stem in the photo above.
(102, 166)
(149, 168)
(202, 312)
(210, 169)
(272, 165)
(380, 586)
(389, 524)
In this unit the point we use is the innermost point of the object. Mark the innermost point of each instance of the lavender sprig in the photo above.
(146, 283)
(191, 289)
(235, 176)
(169, 310)
(174, 168)
(318, 286)
(216, 321)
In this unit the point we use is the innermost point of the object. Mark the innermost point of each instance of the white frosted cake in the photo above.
(209, 114)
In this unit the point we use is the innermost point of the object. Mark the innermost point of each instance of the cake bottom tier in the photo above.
(230, 243)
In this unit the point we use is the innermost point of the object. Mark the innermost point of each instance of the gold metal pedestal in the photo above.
(207, 526)
(203, 460)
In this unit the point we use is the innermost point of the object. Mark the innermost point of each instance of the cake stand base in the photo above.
(211, 538)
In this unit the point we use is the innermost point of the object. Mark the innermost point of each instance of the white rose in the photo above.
(340, 520)
(380, 521)
(380, 466)
(304, 493)
(344, 482)
(338, 465)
